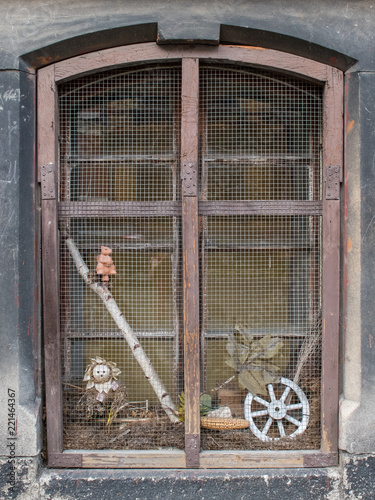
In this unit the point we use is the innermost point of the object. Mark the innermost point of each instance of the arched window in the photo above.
(190, 202)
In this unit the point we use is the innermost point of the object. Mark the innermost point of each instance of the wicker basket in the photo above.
(224, 424)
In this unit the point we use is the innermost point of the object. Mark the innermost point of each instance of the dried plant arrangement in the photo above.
(89, 407)
(257, 361)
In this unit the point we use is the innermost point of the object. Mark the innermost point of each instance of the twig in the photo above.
(127, 331)
(309, 345)
(120, 435)
(225, 383)
(75, 386)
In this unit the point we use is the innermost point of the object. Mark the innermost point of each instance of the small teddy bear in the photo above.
(105, 265)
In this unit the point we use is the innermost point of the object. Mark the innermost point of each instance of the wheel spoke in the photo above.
(281, 428)
(266, 428)
(285, 394)
(293, 420)
(261, 401)
(297, 406)
(271, 392)
(260, 413)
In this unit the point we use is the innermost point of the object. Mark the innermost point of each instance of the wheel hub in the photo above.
(277, 410)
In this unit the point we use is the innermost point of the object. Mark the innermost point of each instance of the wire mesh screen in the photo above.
(260, 136)
(119, 137)
(261, 265)
(119, 153)
(121, 259)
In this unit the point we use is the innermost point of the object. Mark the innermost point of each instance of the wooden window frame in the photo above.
(332, 79)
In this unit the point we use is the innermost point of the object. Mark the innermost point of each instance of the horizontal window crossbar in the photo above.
(173, 208)
(118, 334)
(118, 209)
(260, 207)
(281, 331)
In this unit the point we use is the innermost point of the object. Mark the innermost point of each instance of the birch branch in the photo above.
(127, 331)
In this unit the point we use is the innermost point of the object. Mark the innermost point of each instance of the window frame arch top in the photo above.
(332, 150)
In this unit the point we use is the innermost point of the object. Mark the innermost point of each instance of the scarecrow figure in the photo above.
(102, 375)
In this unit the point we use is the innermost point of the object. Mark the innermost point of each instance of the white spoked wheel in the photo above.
(279, 411)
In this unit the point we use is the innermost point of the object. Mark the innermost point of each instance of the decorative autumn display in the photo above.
(105, 266)
(126, 330)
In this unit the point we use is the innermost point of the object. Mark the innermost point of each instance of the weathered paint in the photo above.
(350, 126)
(349, 244)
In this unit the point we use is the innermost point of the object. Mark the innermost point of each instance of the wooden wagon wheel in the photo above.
(277, 410)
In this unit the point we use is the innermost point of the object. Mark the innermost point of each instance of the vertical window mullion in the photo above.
(189, 163)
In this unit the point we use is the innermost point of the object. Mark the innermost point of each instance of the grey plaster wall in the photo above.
(345, 27)
(34, 33)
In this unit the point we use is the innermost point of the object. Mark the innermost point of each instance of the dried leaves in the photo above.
(257, 361)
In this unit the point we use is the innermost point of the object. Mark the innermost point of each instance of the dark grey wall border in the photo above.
(271, 40)
(149, 32)
(88, 42)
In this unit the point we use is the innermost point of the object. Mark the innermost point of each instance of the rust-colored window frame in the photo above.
(332, 79)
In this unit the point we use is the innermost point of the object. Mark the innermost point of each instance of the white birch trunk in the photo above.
(128, 333)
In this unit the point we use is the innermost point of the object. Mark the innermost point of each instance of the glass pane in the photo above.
(145, 254)
(142, 250)
(261, 311)
(119, 139)
(261, 137)
(258, 272)
(274, 181)
(261, 330)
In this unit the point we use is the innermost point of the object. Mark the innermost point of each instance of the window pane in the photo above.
(261, 138)
(130, 417)
(119, 139)
(261, 281)
(119, 142)
(261, 274)
(145, 253)
(261, 271)
(142, 250)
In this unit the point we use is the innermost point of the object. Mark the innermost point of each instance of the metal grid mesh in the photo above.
(260, 274)
(119, 142)
(118, 136)
(260, 137)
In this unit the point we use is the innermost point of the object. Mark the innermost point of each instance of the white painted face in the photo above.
(100, 372)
